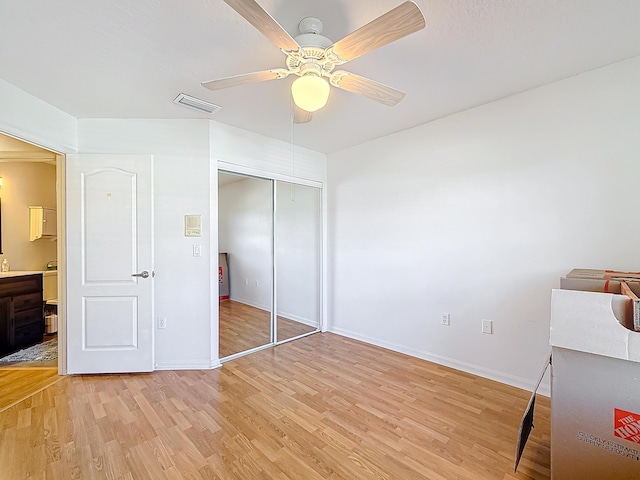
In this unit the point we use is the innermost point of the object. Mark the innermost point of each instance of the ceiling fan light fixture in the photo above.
(312, 56)
(310, 92)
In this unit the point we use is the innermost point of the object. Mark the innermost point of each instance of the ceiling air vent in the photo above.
(196, 104)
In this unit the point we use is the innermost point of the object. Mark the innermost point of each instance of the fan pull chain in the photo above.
(292, 109)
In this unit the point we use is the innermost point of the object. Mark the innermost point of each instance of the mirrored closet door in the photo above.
(245, 243)
(269, 237)
(298, 225)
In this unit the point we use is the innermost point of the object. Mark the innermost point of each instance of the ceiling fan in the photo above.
(313, 57)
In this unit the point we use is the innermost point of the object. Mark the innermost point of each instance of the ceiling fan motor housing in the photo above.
(310, 25)
(310, 34)
(312, 57)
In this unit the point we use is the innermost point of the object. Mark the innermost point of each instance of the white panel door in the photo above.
(109, 255)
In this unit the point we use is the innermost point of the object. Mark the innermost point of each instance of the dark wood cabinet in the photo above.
(21, 311)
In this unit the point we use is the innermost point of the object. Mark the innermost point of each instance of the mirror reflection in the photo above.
(298, 261)
(245, 223)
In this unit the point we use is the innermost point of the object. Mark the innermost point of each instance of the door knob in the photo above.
(143, 274)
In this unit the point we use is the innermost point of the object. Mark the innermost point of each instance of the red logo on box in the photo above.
(626, 425)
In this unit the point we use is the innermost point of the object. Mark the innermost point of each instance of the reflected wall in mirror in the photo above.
(298, 225)
(245, 232)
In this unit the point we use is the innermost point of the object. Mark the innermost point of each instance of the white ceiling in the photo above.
(129, 59)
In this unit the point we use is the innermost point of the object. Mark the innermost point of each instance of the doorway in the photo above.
(28, 245)
(29, 248)
(269, 236)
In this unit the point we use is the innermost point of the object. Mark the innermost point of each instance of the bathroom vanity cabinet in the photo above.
(21, 310)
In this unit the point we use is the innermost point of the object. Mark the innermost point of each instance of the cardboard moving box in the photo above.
(591, 284)
(595, 377)
(632, 290)
(603, 281)
(595, 388)
(602, 274)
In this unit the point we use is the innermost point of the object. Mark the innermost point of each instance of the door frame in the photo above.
(61, 213)
(61, 243)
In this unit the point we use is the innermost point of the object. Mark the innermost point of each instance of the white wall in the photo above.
(25, 184)
(264, 156)
(479, 214)
(26, 117)
(183, 286)
(245, 233)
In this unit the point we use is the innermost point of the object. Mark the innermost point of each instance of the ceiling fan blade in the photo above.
(261, 20)
(246, 78)
(364, 86)
(300, 115)
(403, 20)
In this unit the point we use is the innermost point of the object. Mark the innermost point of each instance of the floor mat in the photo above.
(42, 351)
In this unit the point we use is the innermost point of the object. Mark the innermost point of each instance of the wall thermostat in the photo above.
(192, 225)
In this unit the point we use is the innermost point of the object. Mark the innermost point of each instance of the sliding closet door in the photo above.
(245, 233)
(298, 234)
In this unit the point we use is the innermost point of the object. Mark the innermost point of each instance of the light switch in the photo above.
(197, 250)
(487, 326)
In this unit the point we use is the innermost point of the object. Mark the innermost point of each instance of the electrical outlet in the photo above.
(445, 319)
(197, 250)
(162, 322)
(487, 326)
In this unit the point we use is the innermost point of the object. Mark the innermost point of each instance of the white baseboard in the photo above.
(189, 365)
(514, 381)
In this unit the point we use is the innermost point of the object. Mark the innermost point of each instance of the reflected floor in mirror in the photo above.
(243, 327)
(289, 328)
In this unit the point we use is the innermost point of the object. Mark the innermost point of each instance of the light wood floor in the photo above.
(323, 407)
(19, 383)
(243, 327)
(19, 380)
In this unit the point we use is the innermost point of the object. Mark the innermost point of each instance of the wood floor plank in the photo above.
(324, 407)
